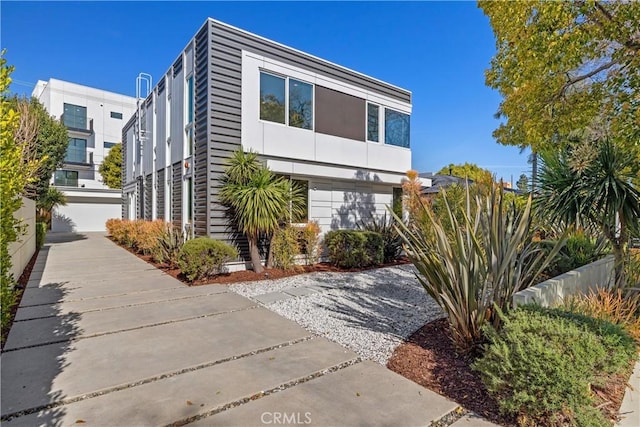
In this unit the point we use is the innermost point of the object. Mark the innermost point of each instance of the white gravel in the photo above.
(369, 312)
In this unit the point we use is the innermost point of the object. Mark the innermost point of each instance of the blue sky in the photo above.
(438, 50)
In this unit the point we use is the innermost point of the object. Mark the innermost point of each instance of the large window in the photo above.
(76, 151)
(66, 178)
(300, 104)
(287, 101)
(272, 98)
(373, 123)
(75, 116)
(396, 128)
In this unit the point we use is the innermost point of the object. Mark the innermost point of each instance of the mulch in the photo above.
(21, 285)
(429, 359)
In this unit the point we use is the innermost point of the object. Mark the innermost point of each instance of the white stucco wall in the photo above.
(22, 250)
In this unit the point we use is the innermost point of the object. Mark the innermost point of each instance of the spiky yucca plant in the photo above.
(488, 257)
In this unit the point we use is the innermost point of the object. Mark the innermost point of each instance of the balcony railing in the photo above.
(75, 124)
(65, 182)
(78, 156)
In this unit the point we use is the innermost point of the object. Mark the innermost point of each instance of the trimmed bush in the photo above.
(540, 366)
(284, 247)
(147, 235)
(204, 257)
(354, 248)
(41, 232)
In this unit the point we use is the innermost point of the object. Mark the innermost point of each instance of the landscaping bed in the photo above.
(251, 276)
(429, 358)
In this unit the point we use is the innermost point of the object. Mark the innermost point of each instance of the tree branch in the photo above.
(573, 80)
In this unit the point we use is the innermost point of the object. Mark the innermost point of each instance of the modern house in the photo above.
(342, 135)
(94, 119)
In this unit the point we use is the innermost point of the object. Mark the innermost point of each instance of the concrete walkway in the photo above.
(102, 338)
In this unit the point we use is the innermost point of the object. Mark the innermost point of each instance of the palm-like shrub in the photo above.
(385, 226)
(589, 184)
(486, 259)
(257, 200)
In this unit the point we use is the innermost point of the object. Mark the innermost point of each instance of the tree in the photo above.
(44, 139)
(588, 183)
(257, 200)
(48, 201)
(523, 183)
(111, 167)
(468, 170)
(17, 170)
(560, 66)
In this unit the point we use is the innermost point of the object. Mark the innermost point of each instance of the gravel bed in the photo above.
(370, 312)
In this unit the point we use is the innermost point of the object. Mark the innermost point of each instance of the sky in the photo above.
(437, 50)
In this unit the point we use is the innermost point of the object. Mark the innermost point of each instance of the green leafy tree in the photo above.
(523, 183)
(468, 170)
(561, 66)
(258, 201)
(111, 167)
(17, 170)
(44, 138)
(588, 183)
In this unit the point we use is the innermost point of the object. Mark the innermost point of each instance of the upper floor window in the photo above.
(272, 98)
(75, 116)
(109, 144)
(300, 104)
(115, 115)
(396, 128)
(76, 151)
(190, 99)
(373, 123)
(286, 100)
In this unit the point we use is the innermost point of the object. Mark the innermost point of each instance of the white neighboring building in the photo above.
(94, 119)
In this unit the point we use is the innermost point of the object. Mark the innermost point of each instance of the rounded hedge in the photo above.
(204, 257)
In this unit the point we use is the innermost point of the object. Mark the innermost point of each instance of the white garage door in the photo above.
(79, 217)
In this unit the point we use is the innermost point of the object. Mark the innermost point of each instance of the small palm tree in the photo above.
(258, 201)
(49, 200)
(589, 184)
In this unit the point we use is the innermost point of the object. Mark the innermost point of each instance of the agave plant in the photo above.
(489, 256)
(385, 226)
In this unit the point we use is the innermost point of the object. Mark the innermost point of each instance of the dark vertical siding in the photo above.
(201, 132)
(176, 194)
(160, 184)
(148, 198)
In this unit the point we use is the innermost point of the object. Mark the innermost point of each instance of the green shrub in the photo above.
(354, 248)
(540, 365)
(386, 227)
(480, 262)
(167, 249)
(41, 232)
(580, 249)
(309, 241)
(204, 257)
(284, 247)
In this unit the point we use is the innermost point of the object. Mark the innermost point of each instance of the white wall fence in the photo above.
(22, 250)
(552, 292)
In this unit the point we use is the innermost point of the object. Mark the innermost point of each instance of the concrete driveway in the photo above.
(103, 338)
